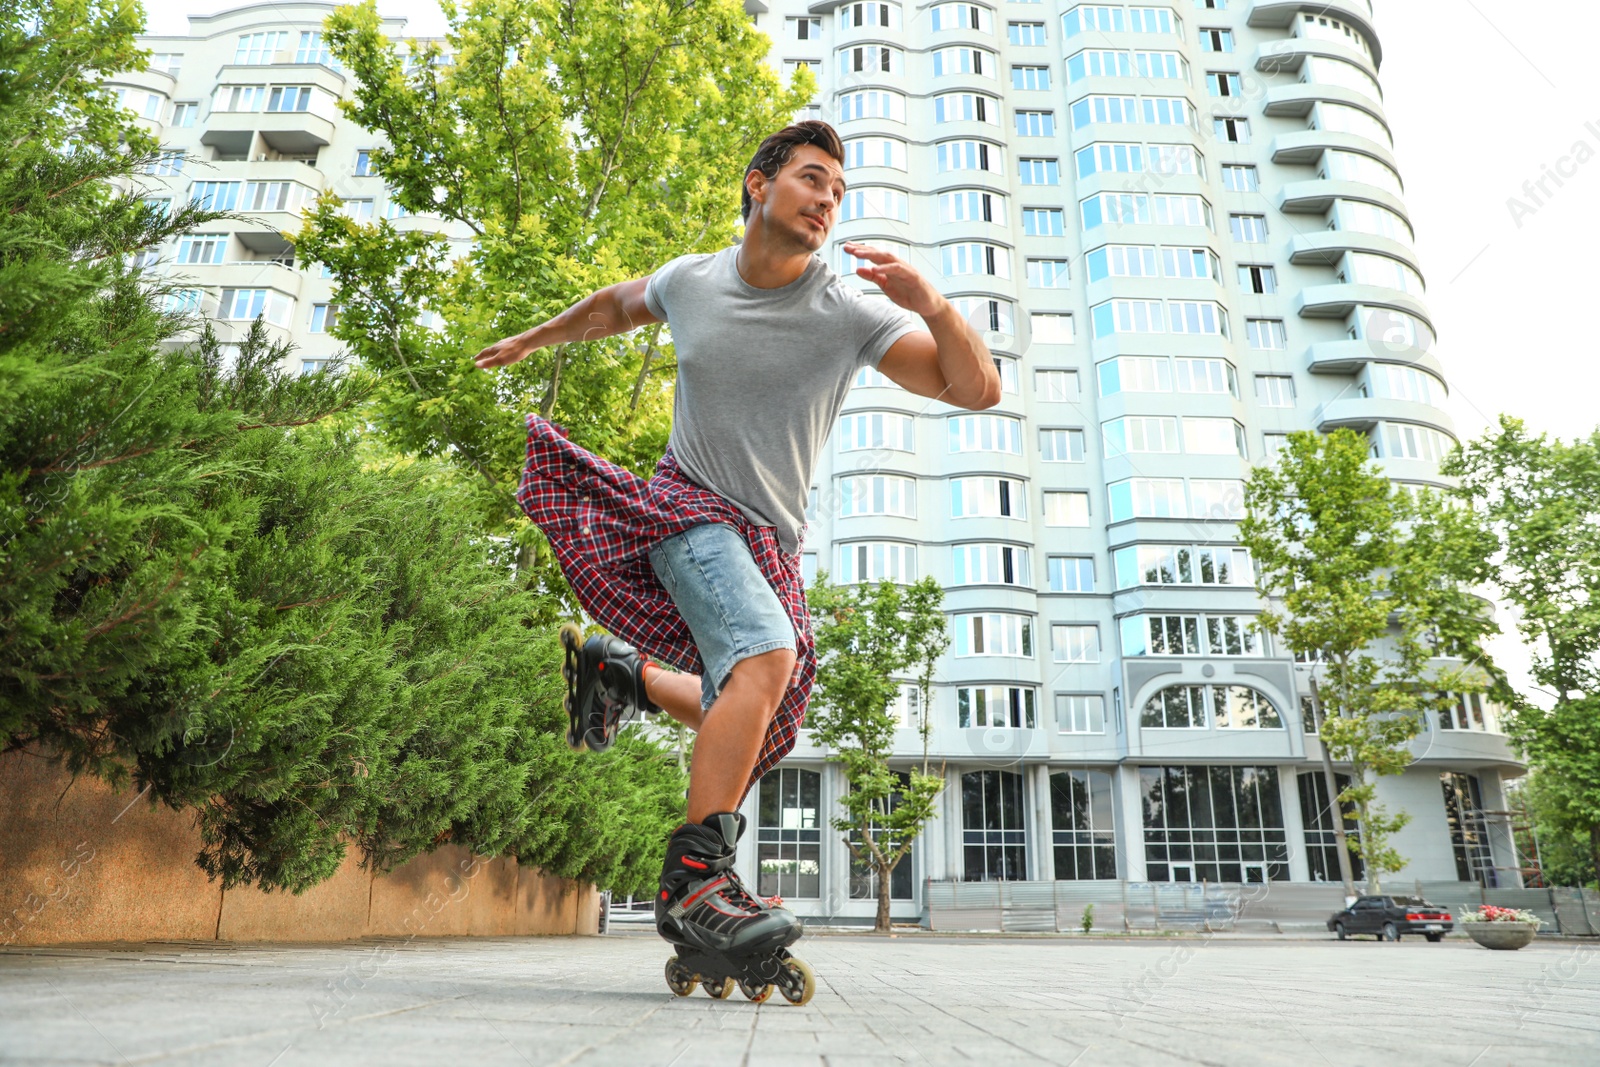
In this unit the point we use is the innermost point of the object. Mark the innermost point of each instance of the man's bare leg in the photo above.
(676, 694)
(732, 731)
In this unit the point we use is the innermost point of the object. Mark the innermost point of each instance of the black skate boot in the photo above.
(723, 932)
(605, 687)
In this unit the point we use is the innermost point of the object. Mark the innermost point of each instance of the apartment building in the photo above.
(1183, 232)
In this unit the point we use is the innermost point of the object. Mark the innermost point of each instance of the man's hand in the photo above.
(508, 351)
(898, 279)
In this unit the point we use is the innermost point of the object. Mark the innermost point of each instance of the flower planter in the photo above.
(1500, 935)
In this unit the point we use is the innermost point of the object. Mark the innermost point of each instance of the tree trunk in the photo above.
(1337, 814)
(884, 870)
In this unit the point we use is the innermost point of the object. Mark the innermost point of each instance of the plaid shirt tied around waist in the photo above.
(602, 521)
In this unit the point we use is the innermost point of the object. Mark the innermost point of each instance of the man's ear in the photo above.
(756, 183)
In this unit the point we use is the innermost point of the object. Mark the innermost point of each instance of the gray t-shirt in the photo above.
(762, 374)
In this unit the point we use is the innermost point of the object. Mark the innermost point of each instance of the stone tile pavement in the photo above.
(915, 999)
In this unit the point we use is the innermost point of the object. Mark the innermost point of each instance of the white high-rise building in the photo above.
(1183, 231)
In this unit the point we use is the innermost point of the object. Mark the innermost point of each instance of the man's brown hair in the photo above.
(777, 150)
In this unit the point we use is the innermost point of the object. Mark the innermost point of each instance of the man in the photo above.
(768, 340)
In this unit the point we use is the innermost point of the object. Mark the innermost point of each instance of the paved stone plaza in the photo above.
(915, 999)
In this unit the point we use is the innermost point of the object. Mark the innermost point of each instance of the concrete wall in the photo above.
(80, 861)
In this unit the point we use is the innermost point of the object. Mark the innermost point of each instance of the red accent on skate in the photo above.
(773, 901)
(664, 894)
(711, 886)
(696, 864)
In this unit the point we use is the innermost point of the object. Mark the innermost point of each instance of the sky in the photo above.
(1486, 101)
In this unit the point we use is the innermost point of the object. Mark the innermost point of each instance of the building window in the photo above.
(1240, 178)
(995, 707)
(1176, 707)
(1128, 316)
(972, 205)
(877, 430)
(1216, 40)
(1026, 33)
(1197, 316)
(872, 104)
(184, 112)
(1080, 713)
(874, 203)
(808, 569)
(1248, 229)
(167, 62)
(1231, 131)
(1056, 386)
(363, 162)
(1202, 375)
(1071, 574)
(789, 834)
(989, 565)
(215, 196)
(987, 498)
(324, 317)
(289, 98)
(1465, 714)
(1339, 165)
(1323, 28)
(1266, 334)
(1167, 160)
(870, 14)
(1135, 374)
(1051, 327)
(966, 107)
(968, 155)
(1147, 498)
(961, 17)
(1257, 278)
(255, 49)
(202, 248)
(246, 304)
(1136, 434)
(803, 29)
(974, 258)
(1083, 829)
(1007, 366)
(1039, 171)
(872, 59)
(1042, 222)
(849, 264)
(1242, 707)
(1075, 644)
(1182, 565)
(1275, 390)
(1223, 83)
(994, 634)
(985, 433)
(878, 495)
(1036, 123)
(313, 49)
(1219, 499)
(1066, 509)
(994, 835)
(1212, 436)
(877, 561)
(1060, 446)
(168, 163)
(1048, 274)
(357, 210)
(864, 873)
(1088, 18)
(947, 61)
(875, 152)
(1180, 635)
(1316, 813)
(1469, 831)
(1030, 77)
(1272, 446)
(182, 301)
(1213, 824)
(985, 313)
(1366, 268)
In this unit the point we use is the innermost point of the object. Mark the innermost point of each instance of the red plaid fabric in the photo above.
(602, 521)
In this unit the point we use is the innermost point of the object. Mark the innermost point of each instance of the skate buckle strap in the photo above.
(678, 907)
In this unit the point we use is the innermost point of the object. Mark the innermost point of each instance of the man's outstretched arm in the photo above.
(612, 310)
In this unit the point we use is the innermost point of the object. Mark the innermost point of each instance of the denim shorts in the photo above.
(723, 597)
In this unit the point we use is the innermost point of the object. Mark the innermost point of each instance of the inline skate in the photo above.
(724, 934)
(605, 687)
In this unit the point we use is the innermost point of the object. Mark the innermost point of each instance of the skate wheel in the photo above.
(571, 636)
(680, 979)
(718, 988)
(796, 982)
(757, 993)
(576, 742)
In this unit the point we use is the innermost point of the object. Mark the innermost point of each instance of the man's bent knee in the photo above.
(767, 675)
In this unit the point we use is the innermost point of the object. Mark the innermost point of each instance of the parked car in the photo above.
(1390, 918)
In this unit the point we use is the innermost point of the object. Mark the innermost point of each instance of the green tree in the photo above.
(866, 636)
(1375, 583)
(1564, 847)
(1541, 497)
(212, 584)
(581, 148)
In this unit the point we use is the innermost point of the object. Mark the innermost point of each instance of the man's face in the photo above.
(802, 202)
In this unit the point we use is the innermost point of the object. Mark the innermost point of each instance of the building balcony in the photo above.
(242, 274)
(1316, 196)
(1328, 248)
(1347, 357)
(1365, 412)
(290, 132)
(945, 83)
(1307, 146)
(1289, 54)
(283, 73)
(156, 81)
(1337, 301)
(1284, 14)
(1296, 101)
